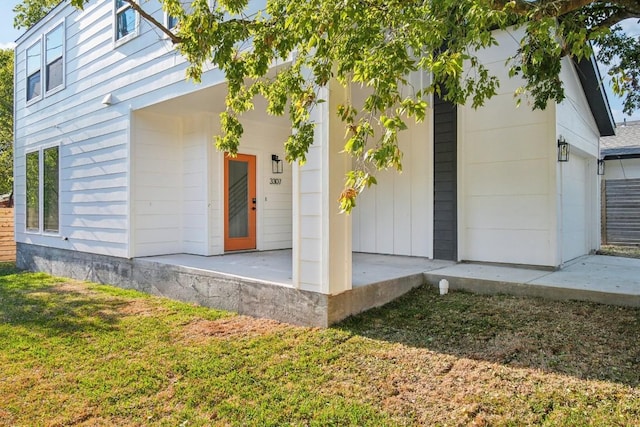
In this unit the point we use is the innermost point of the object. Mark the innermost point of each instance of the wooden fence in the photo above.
(7, 239)
(622, 212)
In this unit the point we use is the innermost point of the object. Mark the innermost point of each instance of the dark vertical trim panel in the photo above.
(445, 195)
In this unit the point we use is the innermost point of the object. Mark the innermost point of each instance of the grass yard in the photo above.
(623, 251)
(73, 353)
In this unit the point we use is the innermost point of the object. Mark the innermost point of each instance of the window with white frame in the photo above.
(33, 191)
(126, 23)
(171, 21)
(54, 57)
(34, 71)
(45, 64)
(42, 190)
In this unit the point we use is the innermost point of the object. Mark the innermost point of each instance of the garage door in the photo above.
(574, 208)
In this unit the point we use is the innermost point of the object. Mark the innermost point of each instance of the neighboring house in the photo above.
(621, 155)
(6, 200)
(114, 161)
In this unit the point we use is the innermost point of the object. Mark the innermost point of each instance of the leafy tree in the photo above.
(6, 121)
(377, 44)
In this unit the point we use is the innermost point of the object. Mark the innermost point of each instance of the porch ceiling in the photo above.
(211, 100)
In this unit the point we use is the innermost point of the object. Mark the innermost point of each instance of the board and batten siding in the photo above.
(445, 180)
(507, 173)
(395, 216)
(94, 138)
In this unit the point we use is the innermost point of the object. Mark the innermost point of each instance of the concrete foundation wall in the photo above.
(212, 289)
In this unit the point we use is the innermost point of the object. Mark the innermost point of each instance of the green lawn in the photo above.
(73, 353)
(623, 251)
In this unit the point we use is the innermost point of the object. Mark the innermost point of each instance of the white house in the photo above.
(115, 162)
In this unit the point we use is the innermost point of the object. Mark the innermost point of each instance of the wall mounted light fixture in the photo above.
(600, 166)
(563, 149)
(276, 164)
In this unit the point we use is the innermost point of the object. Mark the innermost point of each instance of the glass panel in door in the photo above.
(240, 202)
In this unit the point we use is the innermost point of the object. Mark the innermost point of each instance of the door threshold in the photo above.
(240, 251)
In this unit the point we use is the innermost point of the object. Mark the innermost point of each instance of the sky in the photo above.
(8, 35)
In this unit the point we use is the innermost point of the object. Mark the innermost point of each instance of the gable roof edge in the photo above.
(591, 81)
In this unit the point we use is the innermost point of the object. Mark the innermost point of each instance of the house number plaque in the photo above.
(275, 181)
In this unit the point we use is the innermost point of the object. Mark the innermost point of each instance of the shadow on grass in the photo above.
(33, 300)
(585, 340)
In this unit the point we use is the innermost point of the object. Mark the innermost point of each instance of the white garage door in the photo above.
(574, 208)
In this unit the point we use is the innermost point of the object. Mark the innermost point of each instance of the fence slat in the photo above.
(7, 239)
(622, 207)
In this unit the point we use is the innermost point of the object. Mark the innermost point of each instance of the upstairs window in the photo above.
(172, 22)
(54, 58)
(43, 190)
(34, 66)
(126, 20)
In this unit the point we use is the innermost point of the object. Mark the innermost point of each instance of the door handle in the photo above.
(253, 208)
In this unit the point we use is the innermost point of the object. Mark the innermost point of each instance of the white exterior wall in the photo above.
(262, 138)
(396, 215)
(507, 174)
(197, 183)
(178, 179)
(622, 169)
(157, 185)
(93, 139)
(575, 121)
(106, 179)
(578, 184)
(322, 249)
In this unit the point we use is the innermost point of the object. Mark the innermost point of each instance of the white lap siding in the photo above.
(95, 138)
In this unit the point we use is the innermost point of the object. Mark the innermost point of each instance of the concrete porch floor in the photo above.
(597, 278)
(274, 267)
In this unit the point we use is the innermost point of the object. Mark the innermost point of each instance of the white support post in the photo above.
(322, 235)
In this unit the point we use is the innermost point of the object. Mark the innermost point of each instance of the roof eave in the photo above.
(591, 81)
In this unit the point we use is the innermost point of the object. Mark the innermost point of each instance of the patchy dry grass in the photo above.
(73, 353)
(623, 251)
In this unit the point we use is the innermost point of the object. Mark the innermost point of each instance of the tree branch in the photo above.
(135, 6)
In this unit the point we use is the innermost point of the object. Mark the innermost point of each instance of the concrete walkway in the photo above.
(597, 278)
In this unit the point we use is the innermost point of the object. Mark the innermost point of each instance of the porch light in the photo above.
(563, 149)
(276, 164)
(600, 166)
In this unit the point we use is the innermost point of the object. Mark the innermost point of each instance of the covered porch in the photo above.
(261, 283)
